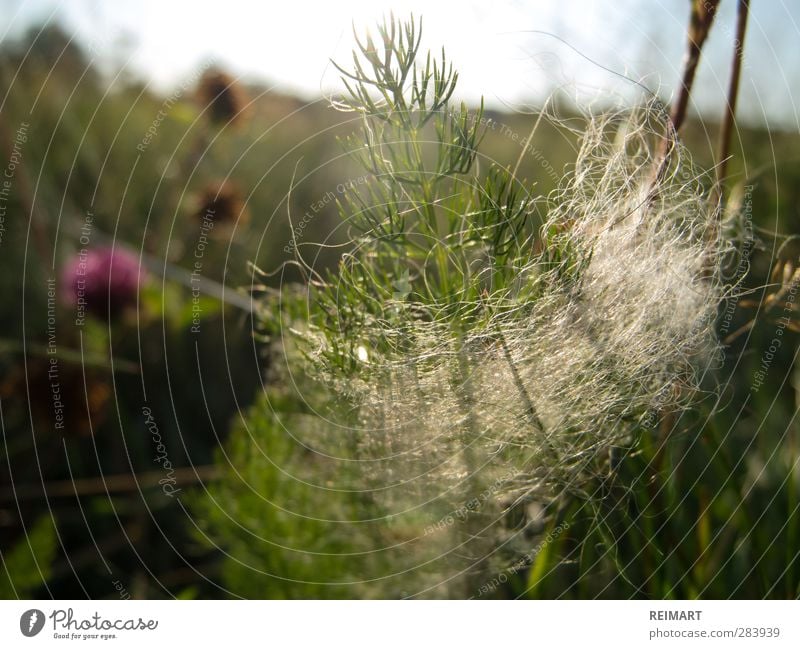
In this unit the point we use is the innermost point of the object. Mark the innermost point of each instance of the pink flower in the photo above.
(103, 282)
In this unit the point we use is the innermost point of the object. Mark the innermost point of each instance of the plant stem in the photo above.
(530, 409)
(105, 485)
(777, 299)
(477, 544)
(793, 434)
(700, 21)
(703, 13)
(733, 92)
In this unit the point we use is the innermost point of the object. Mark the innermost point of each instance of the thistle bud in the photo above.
(103, 282)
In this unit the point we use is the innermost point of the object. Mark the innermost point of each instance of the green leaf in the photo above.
(28, 564)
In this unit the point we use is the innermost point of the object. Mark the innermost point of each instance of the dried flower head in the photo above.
(222, 96)
(221, 203)
(80, 411)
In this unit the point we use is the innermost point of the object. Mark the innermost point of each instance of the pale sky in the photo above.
(511, 51)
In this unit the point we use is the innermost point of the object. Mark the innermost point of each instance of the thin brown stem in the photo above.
(700, 21)
(729, 119)
(774, 301)
(702, 17)
(105, 485)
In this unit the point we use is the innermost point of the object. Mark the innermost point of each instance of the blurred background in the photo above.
(154, 153)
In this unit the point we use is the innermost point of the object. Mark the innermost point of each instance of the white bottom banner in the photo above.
(382, 624)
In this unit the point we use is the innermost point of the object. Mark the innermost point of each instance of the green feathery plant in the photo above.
(435, 242)
(455, 274)
(479, 344)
